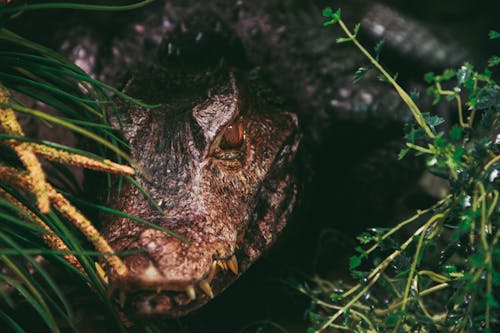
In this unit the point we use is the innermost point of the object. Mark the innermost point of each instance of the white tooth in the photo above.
(233, 264)
(205, 286)
(213, 271)
(222, 264)
(191, 293)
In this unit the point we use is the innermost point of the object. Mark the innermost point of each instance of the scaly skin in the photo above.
(230, 204)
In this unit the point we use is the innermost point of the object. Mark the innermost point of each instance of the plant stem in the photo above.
(404, 96)
(416, 259)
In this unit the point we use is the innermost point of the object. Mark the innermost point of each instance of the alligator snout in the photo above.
(168, 275)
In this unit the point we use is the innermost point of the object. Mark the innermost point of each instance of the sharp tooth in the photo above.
(158, 290)
(205, 286)
(233, 265)
(122, 298)
(213, 271)
(191, 293)
(222, 264)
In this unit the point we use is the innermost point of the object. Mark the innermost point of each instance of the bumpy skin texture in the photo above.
(225, 202)
(236, 202)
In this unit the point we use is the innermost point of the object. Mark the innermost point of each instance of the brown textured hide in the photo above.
(225, 202)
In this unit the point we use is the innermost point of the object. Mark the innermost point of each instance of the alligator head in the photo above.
(220, 166)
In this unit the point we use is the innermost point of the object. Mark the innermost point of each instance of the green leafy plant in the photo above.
(42, 230)
(443, 277)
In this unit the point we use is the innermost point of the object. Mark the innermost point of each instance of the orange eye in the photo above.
(233, 135)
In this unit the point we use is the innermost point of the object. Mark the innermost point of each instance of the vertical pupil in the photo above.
(233, 135)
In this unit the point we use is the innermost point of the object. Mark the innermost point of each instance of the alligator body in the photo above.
(220, 148)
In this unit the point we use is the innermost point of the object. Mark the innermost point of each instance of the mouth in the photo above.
(145, 297)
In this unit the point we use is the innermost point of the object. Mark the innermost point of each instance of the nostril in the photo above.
(156, 241)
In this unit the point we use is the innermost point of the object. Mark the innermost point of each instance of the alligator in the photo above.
(219, 150)
(221, 170)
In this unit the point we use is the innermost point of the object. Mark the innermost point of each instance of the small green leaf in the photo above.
(448, 74)
(415, 95)
(464, 225)
(493, 34)
(429, 77)
(337, 15)
(441, 142)
(382, 78)
(361, 251)
(392, 319)
(403, 153)
(365, 238)
(334, 297)
(354, 262)
(432, 121)
(456, 133)
(356, 29)
(486, 75)
(450, 269)
(343, 40)
(360, 73)
(457, 155)
(378, 48)
(493, 61)
(470, 83)
(432, 91)
(313, 316)
(327, 12)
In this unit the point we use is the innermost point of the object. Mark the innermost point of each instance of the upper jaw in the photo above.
(142, 296)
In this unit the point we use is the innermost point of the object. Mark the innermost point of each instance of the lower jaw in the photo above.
(166, 304)
(150, 303)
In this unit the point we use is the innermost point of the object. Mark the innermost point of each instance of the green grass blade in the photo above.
(65, 312)
(33, 296)
(71, 126)
(108, 210)
(76, 6)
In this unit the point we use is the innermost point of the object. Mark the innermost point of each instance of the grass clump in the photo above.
(44, 237)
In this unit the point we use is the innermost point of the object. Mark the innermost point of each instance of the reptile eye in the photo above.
(233, 135)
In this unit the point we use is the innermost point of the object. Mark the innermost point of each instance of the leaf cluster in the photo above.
(446, 275)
